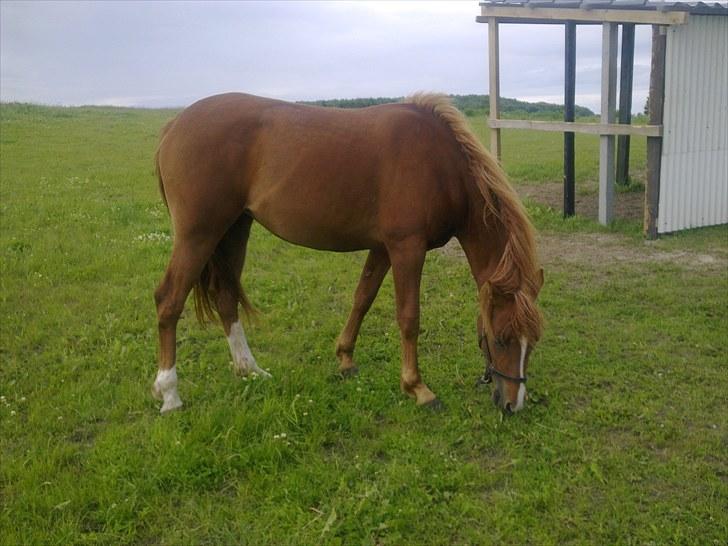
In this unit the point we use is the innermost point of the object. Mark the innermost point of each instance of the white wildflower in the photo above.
(154, 237)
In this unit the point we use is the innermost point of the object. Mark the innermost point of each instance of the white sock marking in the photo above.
(242, 357)
(165, 388)
(522, 386)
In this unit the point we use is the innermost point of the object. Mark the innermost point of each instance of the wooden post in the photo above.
(569, 100)
(609, 103)
(626, 70)
(494, 91)
(654, 144)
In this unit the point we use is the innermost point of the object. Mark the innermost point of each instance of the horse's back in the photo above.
(326, 178)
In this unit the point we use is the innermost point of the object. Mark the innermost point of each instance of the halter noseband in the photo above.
(490, 369)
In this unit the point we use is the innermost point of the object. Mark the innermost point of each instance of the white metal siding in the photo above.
(694, 171)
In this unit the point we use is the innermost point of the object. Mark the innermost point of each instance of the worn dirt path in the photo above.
(627, 206)
(604, 249)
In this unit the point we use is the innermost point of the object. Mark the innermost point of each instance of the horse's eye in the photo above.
(499, 343)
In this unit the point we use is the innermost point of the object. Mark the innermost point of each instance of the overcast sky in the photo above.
(172, 53)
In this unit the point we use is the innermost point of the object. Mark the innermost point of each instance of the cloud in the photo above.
(171, 53)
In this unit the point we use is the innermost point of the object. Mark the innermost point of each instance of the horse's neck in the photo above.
(483, 246)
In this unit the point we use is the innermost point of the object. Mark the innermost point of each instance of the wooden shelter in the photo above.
(709, 161)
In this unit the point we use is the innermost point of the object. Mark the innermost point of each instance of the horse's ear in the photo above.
(485, 297)
(491, 296)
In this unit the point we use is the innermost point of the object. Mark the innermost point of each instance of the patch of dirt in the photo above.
(611, 248)
(600, 249)
(627, 206)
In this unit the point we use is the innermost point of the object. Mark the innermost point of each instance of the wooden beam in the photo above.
(519, 21)
(608, 107)
(626, 70)
(654, 144)
(569, 107)
(524, 13)
(578, 127)
(494, 86)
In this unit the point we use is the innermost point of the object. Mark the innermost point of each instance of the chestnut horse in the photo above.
(395, 179)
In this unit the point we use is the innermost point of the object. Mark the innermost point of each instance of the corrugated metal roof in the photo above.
(698, 8)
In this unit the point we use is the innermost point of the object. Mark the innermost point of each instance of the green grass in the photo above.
(623, 441)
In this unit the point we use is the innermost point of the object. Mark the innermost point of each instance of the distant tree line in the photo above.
(470, 105)
(352, 103)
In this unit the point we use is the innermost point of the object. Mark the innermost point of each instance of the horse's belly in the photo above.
(311, 236)
(317, 223)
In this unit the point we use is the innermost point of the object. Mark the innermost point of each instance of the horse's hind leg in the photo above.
(374, 271)
(230, 259)
(188, 259)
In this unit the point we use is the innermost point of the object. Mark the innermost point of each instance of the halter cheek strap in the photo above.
(487, 376)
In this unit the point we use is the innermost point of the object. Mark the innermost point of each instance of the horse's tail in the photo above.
(162, 134)
(218, 273)
(518, 267)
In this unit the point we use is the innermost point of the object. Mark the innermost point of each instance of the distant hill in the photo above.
(470, 105)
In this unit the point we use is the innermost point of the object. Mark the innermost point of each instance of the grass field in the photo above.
(624, 440)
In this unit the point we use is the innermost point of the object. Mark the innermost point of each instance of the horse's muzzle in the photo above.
(508, 407)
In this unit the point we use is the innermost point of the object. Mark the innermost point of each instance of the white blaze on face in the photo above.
(165, 389)
(242, 357)
(522, 386)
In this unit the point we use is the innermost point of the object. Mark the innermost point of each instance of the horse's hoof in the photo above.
(170, 405)
(434, 405)
(346, 373)
(170, 401)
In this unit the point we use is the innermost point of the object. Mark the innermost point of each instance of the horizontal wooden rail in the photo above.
(525, 14)
(577, 127)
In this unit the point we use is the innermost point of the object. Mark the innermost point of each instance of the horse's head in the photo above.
(509, 326)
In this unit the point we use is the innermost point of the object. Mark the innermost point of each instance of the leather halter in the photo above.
(490, 369)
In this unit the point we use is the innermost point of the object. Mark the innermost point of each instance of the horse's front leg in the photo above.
(375, 269)
(407, 259)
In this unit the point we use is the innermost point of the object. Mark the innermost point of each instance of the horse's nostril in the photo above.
(507, 408)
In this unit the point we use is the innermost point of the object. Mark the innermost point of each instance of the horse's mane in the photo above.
(518, 270)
